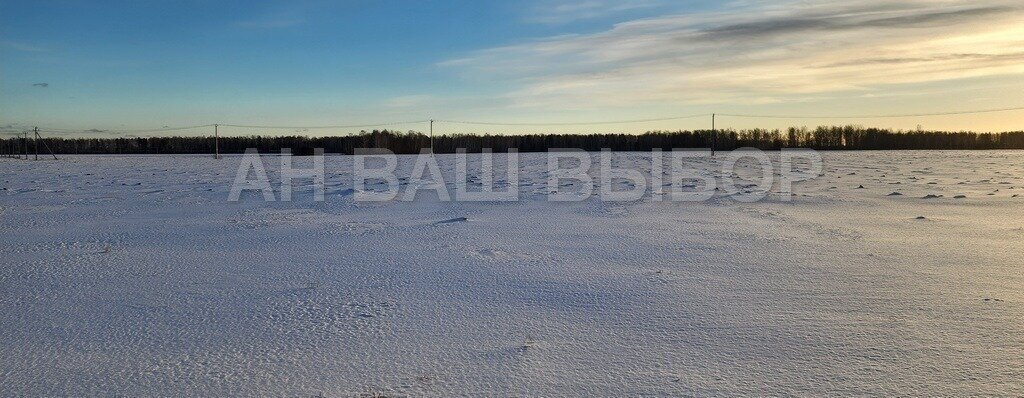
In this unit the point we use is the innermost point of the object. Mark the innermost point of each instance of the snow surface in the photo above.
(134, 275)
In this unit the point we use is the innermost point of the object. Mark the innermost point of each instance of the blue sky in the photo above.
(147, 64)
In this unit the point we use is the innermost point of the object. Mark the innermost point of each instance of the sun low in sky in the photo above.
(133, 65)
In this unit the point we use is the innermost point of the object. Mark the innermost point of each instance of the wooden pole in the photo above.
(431, 136)
(35, 140)
(714, 135)
(45, 145)
(216, 141)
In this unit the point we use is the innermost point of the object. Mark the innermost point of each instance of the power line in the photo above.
(98, 131)
(63, 131)
(168, 129)
(873, 116)
(352, 126)
(576, 123)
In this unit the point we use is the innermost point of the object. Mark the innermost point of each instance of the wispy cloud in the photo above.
(759, 52)
(278, 16)
(410, 101)
(21, 46)
(565, 11)
(272, 22)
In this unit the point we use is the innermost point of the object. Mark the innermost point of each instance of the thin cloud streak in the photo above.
(20, 46)
(272, 23)
(761, 53)
(562, 11)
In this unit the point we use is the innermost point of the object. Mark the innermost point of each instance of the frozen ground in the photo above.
(135, 276)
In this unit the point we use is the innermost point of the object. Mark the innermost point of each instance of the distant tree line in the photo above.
(822, 138)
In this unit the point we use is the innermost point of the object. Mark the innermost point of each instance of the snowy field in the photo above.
(135, 276)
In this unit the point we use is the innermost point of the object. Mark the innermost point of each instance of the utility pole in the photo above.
(35, 130)
(714, 135)
(216, 141)
(431, 136)
(40, 138)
